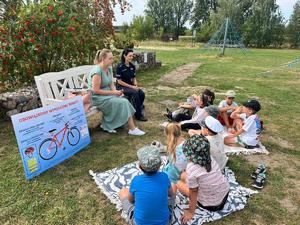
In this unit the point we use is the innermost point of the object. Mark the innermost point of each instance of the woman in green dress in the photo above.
(116, 110)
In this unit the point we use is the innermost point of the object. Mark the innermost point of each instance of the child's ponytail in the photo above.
(173, 132)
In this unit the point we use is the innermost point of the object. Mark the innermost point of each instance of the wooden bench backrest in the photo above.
(52, 86)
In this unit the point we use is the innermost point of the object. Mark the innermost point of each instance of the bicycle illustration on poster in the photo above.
(49, 135)
(48, 148)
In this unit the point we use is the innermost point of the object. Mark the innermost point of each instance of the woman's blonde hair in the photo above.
(100, 55)
(173, 132)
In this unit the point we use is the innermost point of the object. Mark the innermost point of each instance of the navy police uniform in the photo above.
(126, 73)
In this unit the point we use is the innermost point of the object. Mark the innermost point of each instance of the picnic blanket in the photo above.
(229, 150)
(110, 182)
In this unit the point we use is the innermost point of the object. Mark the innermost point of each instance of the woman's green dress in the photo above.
(116, 110)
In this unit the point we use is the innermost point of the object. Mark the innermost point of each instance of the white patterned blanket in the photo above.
(110, 182)
(241, 150)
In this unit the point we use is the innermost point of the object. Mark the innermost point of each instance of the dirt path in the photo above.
(181, 73)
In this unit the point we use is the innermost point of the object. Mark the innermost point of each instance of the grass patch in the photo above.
(66, 194)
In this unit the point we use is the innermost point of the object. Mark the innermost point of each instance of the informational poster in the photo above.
(49, 135)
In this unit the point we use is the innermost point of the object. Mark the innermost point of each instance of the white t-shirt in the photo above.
(223, 104)
(217, 149)
(249, 137)
(198, 116)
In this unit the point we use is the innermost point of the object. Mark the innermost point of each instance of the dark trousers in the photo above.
(187, 126)
(136, 97)
(215, 208)
(181, 117)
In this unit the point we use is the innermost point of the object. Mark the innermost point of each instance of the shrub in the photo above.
(123, 41)
(52, 36)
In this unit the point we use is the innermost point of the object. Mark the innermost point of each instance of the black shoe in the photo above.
(169, 114)
(259, 181)
(251, 147)
(168, 111)
(142, 118)
(260, 169)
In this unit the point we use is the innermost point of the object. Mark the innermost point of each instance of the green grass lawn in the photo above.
(67, 194)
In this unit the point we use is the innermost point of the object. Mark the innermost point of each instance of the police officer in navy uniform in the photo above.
(127, 82)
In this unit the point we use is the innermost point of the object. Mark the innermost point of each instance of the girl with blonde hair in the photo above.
(177, 161)
(116, 110)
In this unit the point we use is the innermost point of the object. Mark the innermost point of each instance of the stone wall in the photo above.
(146, 60)
(27, 98)
(21, 100)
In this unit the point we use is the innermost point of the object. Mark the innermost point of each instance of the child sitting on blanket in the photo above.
(177, 161)
(146, 202)
(245, 120)
(199, 114)
(205, 184)
(211, 129)
(226, 107)
(186, 109)
(210, 110)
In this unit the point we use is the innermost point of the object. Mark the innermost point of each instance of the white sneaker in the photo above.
(109, 131)
(112, 131)
(136, 131)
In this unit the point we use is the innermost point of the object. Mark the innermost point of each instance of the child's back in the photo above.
(212, 186)
(151, 198)
(177, 160)
(146, 202)
(217, 149)
(211, 129)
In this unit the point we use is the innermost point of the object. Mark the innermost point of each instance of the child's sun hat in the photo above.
(149, 158)
(212, 124)
(196, 149)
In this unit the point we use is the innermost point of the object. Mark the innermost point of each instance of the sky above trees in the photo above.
(138, 7)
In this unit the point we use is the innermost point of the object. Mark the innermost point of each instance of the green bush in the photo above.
(123, 41)
(51, 36)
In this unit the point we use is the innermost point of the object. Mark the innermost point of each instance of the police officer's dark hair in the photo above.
(125, 52)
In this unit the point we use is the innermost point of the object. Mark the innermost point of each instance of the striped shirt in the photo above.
(212, 186)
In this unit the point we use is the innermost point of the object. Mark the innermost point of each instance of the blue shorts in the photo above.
(128, 208)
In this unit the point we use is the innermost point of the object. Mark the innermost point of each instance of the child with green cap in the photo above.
(205, 184)
(146, 202)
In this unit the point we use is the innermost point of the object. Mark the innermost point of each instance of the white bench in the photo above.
(53, 87)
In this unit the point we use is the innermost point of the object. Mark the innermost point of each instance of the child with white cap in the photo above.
(226, 107)
(211, 129)
(210, 110)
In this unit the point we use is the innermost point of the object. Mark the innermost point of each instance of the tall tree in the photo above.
(169, 15)
(294, 26)
(161, 12)
(142, 27)
(265, 25)
(201, 12)
(181, 14)
(236, 10)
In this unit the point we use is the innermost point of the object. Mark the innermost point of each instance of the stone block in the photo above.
(12, 112)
